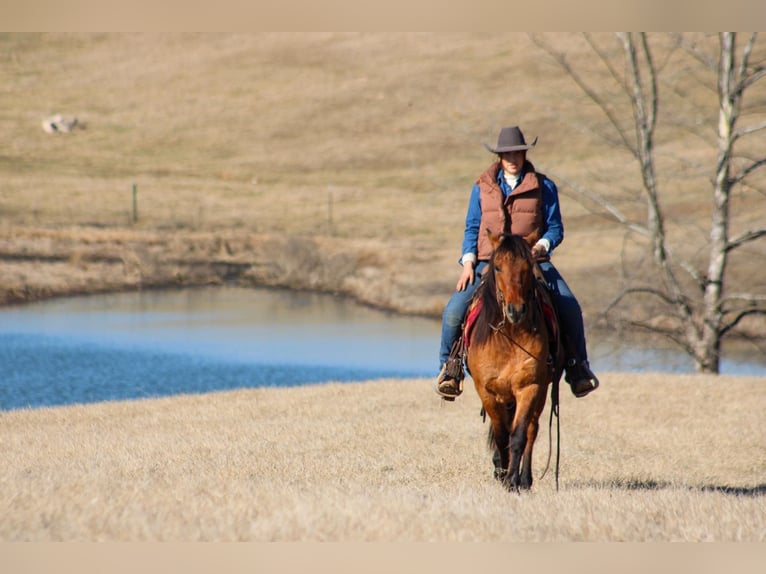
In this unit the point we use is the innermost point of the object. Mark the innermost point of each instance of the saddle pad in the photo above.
(551, 320)
(470, 320)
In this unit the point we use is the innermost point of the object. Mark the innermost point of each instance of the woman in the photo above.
(511, 197)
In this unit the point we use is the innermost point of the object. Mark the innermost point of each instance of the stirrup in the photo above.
(449, 385)
(448, 392)
(453, 372)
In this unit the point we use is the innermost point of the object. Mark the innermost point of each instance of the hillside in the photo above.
(339, 162)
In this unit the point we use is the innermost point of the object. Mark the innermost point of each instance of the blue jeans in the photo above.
(569, 312)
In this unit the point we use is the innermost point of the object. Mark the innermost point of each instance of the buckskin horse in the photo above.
(513, 355)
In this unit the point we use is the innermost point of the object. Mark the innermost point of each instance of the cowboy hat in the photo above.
(510, 139)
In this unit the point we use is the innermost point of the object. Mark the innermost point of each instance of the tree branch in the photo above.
(652, 117)
(694, 50)
(759, 72)
(746, 237)
(671, 334)
(614, 212)
(663, 296)
(560, 58)
(748, 298)
(733, 323)
(748, 130)
(748, 170)
(605, 60)
(744, 62)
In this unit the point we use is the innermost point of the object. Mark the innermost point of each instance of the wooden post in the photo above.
(135, 203)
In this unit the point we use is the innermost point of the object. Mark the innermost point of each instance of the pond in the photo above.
(158, 343)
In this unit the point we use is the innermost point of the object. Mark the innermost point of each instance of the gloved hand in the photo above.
(540, 250)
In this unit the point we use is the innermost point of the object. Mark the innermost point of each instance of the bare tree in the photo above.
(701, 310)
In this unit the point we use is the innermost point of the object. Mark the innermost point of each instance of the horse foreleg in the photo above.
(523, 433)
(532, 428)
(526, 465)
(517, 444)
(498, 416)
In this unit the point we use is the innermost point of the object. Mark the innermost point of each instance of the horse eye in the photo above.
(497, 268)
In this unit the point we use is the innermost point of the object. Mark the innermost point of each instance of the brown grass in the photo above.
(342, 162)
(645, 458)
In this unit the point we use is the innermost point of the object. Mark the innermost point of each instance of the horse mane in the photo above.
(491, 313)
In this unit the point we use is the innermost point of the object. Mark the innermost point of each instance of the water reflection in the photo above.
(238, 325)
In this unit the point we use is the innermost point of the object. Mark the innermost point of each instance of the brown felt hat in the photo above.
(510, 139)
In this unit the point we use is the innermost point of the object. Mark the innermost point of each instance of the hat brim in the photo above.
(503, 149)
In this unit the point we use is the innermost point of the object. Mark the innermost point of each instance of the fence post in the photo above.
(135, 203)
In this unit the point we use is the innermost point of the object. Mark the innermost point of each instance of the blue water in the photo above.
(159, 343)
(152, 344)
(44, 371)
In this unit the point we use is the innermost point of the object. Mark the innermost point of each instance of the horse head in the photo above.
(512, 268)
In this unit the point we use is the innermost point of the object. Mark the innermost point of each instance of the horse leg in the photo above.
(533, 426)
(518, 441)
(498, 416)
(520, 444)
(526, 465)
(501, 466)
(530, 429)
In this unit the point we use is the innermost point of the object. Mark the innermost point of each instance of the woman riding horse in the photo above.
(511, 197)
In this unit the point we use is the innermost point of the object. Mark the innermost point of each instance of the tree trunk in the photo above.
(707, 355)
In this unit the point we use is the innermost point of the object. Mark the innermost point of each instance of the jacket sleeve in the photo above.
(472, 223)
(554, 226)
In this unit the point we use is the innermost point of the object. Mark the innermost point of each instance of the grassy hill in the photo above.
(332, 161)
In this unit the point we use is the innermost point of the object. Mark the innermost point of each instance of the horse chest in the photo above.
(504, 382)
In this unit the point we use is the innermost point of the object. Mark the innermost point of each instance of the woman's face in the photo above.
(513, 161)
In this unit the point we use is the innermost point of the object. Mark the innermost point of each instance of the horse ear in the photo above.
(494, 238)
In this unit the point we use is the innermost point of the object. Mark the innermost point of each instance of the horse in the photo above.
(513, 356)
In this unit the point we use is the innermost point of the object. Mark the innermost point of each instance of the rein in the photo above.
(500, 327)
(554, 411)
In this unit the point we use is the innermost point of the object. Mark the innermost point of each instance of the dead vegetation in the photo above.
(649, 457)
(338, 162)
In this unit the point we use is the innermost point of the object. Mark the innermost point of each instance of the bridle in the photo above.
(501, 301)
(501, 326)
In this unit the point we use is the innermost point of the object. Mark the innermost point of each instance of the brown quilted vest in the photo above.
(520, 213)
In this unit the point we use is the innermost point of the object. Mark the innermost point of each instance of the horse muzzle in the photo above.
(515, 314)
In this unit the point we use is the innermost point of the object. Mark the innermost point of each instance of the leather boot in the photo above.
(580, 378)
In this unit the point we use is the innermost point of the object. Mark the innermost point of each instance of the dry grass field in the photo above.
(645, 458)
(342, 163)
